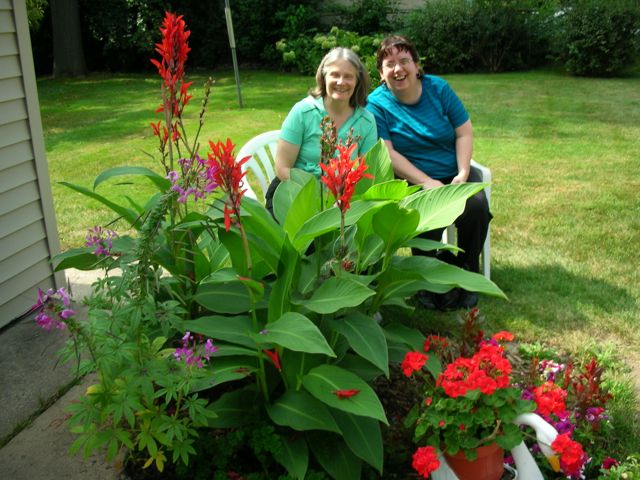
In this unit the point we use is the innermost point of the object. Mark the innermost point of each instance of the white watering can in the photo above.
(526, 467)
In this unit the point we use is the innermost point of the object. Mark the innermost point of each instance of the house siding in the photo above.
(28, 232)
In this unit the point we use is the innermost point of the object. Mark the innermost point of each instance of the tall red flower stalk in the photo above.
(173, 50)
(341, 176)
(229, 177)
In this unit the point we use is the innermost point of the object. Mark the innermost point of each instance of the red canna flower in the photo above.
(275, 358)
(229, 177)
(173, 50)
(342, 394)
(425, 461)
(342, 174)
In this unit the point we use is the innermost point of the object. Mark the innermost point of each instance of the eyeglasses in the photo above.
(404, 62)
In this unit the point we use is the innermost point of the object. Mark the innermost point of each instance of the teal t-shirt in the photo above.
(425, 132)
(302, 127)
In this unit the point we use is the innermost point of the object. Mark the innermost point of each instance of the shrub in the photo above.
(488, 35)
(304, 53)
(598, 38)
(440, 31)
(367, 17)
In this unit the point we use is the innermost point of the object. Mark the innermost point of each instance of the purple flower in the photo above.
(188, 352)
(209, 349)
(53, 309)
(195, 179)
(101, 239)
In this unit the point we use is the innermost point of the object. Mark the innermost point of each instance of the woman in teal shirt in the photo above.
(342, 85)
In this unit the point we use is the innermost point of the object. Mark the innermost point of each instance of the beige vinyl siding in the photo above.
(28, 234)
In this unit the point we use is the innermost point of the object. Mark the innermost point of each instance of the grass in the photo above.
(562, 150)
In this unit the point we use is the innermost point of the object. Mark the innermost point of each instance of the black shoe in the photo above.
(468, 299)
(448, 301)
(427, 299)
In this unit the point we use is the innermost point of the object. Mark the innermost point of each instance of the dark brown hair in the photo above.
(402, 44)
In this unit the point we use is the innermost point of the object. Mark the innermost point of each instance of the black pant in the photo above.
(472, 225)
(268, 197)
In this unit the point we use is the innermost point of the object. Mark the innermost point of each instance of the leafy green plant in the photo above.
(598, 38)
(288, 306)
(304, 52)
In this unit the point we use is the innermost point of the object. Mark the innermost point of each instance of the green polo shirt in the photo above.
(302, 127)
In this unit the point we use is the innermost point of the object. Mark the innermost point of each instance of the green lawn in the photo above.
(565, 194)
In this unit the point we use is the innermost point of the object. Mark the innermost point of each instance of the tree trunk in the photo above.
(68, 55)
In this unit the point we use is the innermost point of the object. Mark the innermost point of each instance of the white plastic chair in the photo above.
(262, 150)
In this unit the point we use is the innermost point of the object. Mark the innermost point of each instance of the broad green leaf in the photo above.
(363, 436)
(410, 337)
(131, 216)
(361, 367)
(323, 381)
(287, 191)
(305, 205)
(395, 225)
(81, 258)
(427, 245)
(301, 411)
(439, 207)
(391, 190)
(337, 293)
(379, 166)
(334, 456)
(279, 301)
(329, 220)
(294, 455)
(231, 297)
(371, 251)
(365, 337)
(224, 370)
(234, 409)
(162, 183)
(263, 233)
(230, 329)
(319, 224)
(437, 272)
(295, 332)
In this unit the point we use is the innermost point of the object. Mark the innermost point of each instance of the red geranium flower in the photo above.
(549, 398)
(425, 461)
(572, 456)
(413, 361)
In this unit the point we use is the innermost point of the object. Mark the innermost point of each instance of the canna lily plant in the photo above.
(292, 335)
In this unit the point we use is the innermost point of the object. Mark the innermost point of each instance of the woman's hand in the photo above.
(462, 177)
(431, 183)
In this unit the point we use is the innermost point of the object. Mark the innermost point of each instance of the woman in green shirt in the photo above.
(342, 85)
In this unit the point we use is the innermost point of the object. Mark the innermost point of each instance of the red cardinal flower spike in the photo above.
(173, 50)
(342, 394)
(229, 177)
(273, 355)
(342, 175)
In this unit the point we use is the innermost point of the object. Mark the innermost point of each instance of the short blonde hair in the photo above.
(359, 97)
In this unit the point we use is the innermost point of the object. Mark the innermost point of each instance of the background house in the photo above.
(28, 233)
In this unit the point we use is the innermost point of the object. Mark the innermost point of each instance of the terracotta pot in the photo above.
(488, 466)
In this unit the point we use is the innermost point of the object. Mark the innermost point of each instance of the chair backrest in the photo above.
(262, 150)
